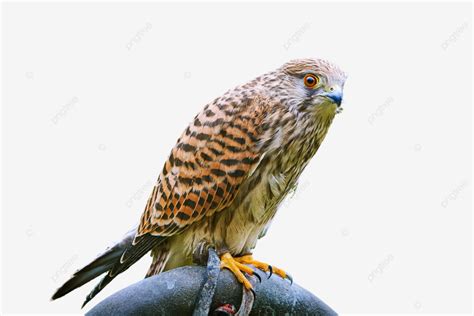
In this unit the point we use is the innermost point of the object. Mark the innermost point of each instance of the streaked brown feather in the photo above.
(203, 173)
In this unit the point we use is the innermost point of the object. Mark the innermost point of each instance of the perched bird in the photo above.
(228, 173)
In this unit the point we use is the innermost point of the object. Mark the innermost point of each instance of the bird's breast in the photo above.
(250, 215)
(247, 218)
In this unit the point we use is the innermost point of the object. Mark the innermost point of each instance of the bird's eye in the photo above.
(310, 80)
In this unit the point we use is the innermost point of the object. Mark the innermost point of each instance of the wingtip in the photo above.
(56, 295)
(85, 302)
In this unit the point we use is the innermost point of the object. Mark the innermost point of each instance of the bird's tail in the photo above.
(114, 260)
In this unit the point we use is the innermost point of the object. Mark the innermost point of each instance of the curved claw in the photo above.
(248, 298)
(258, 277)
(254, 294)
(270, 268)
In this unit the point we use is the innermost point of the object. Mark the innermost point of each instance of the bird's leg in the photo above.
(248, 259)
(237, 268)
(205, 251)
(201, 253)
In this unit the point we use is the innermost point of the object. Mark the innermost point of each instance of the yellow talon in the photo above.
(239, 264)
(228, 262)
(263, 266)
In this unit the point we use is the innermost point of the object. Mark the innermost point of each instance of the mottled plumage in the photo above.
(231, 168)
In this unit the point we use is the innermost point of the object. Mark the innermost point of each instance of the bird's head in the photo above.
(310, 85)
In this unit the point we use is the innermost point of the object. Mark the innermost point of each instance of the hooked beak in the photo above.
(335, 96)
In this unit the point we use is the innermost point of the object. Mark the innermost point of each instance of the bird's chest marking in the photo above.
(268, 186)
(265, 197)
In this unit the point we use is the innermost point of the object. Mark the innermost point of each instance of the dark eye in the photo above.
(310, 80)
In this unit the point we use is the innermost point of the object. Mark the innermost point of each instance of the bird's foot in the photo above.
(248, 259)
(238, 269)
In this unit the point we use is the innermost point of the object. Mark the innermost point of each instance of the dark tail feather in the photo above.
(132, 254)
(101, 264)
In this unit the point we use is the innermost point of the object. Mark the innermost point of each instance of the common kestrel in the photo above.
(228, 173)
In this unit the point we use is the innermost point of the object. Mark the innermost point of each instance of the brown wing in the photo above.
(206, 167)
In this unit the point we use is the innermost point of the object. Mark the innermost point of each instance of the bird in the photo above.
(228, 174)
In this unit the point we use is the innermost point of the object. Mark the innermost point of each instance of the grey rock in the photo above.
(176, 292)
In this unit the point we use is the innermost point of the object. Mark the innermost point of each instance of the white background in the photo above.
(95, 96)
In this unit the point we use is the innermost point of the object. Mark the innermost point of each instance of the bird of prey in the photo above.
(228, 173)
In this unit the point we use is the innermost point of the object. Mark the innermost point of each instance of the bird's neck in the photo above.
(295, 137)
